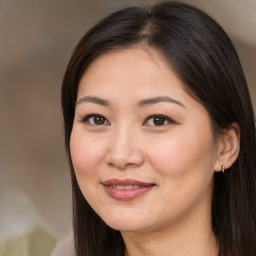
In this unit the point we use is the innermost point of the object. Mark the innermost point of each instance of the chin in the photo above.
(125, 227)
(126, 223)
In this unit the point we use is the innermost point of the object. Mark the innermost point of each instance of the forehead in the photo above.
(142, 67)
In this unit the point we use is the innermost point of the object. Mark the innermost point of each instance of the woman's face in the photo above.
(142, 148)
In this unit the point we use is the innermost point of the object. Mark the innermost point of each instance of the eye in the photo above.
(158, 120)
(95, 119)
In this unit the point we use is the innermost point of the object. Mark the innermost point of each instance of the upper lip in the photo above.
(126, 182)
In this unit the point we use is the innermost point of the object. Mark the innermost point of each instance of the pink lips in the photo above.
(126, 189)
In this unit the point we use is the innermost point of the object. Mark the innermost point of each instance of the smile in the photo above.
(119, 187)
(126, 189)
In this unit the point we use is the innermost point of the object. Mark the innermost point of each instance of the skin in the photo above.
(179, 156)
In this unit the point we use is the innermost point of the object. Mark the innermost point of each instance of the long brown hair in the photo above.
(204, 58)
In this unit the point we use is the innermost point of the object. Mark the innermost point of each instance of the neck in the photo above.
(193, 235)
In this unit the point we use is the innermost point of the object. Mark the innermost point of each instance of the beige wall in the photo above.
(36, 39)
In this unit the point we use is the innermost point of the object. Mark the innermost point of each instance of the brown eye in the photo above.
(158, 121)
(99, 120)
(95, 119)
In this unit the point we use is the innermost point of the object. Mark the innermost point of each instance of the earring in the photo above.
(223, 168)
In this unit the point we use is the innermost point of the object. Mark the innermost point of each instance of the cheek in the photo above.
(184, 154)
(86, 153)
(185, 167)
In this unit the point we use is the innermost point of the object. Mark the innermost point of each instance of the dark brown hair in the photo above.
(204, 58)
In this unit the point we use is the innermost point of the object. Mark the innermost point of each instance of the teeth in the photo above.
(119, 187)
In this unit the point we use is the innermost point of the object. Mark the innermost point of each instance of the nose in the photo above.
(124, 149)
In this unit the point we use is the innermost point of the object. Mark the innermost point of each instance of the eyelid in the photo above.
(87, 117)
(167, 118)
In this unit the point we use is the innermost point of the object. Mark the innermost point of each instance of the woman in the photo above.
(160, 134)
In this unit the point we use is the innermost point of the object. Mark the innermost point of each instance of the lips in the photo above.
(126, 189)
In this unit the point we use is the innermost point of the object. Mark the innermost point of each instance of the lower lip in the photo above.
(128, 194)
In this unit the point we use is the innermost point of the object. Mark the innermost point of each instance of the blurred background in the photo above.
(36, 40)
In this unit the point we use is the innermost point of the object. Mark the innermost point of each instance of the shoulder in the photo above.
(65, 247)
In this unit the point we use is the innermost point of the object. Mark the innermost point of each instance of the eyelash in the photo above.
(106, 122)
(164, 117)
(87, 118)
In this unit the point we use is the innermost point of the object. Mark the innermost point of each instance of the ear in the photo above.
(228, 147)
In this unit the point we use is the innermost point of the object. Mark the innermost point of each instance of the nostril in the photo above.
(121, 166)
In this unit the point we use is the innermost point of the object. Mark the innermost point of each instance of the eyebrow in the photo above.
(159, 99)
(141, 103)
(95, 100)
